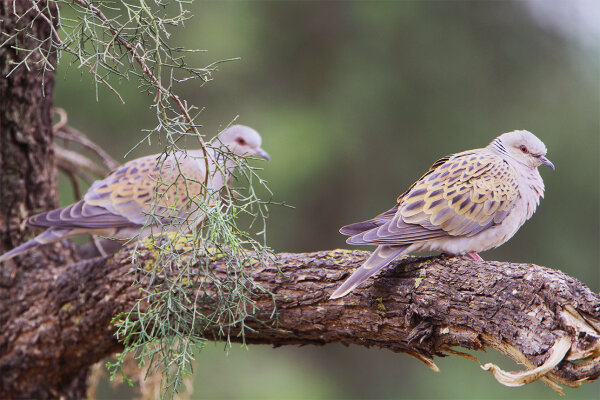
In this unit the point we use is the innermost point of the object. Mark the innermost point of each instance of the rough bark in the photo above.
(27, 176)
(423, 306)
(26, 157)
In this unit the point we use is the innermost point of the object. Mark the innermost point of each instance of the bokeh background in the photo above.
(355, 100)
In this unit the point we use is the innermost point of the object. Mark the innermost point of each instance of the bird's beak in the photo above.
(545, 161)
(261, 153)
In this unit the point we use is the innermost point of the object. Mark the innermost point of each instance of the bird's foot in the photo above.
(99, 247)
(473, 256)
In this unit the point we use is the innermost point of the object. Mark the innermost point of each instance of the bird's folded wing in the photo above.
(165, 189)
(79, 215)
(461, 195)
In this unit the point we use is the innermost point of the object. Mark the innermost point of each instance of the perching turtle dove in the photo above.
(146, 193)
(466, 203)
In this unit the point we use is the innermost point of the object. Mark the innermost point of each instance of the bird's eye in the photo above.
(523, 148)
(240, 141)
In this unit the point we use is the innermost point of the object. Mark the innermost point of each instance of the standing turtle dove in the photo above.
(147, 193)
(466, 203)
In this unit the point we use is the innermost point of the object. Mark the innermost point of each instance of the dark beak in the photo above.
(261, 153)
(545, 161)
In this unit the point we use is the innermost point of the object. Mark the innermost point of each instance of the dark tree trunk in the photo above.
(27, 185)
(26, 156)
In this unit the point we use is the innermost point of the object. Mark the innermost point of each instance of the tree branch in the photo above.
(423, 306)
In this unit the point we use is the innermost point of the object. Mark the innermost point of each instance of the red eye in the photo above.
(240, 141)
(524, 149)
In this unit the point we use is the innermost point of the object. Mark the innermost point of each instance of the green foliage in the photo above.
(182, 300)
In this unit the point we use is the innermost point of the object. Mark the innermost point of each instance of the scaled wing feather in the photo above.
(166, 189)
(461, 195)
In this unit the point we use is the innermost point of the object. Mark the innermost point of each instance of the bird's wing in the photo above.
(358, 227)
(381, 219)
(163, 189)
(461, 195)
(166, 189)
(79, 215)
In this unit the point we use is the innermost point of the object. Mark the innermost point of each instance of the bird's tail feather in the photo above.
(19, 249)
(48, 236)
(379, 259)
(359, 227)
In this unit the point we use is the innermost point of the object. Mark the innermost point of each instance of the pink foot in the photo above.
(474, 256)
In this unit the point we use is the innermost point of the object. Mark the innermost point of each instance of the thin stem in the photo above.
(155, 81)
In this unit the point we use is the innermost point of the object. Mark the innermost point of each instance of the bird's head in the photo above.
(243, 141)
(522, 146)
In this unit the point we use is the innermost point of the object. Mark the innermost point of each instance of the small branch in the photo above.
(131, 47)
(73, 162)
(63, 118)
(556, 354)
(424, 307)
(64, 132)
(73, 179)
(59, 43)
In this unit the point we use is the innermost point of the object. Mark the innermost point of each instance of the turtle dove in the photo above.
(466, 203)
(152, 192)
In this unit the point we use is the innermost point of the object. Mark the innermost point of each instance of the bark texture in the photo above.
(27, 185)
(422, 306)
(26, 156)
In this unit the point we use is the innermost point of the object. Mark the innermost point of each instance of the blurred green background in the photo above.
(355, 100)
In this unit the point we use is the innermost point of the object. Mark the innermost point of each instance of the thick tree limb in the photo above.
(56, 322)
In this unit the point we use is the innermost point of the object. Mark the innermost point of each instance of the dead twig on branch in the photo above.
(62, 131)
(75, 164)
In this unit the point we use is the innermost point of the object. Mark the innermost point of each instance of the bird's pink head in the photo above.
(523, 146)
(243, 141)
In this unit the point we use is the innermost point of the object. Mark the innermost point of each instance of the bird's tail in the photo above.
(379, 259)
(48, 236)
(19, 249)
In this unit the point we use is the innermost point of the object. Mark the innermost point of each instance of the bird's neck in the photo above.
(220, 159)
(498, 147)
(530, 177)
(531, 188)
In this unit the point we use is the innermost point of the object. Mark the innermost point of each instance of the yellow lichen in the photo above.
(342, 251)
(380, 307)
(185, 281)
(217, 255)
(334, 255)
(419, 279)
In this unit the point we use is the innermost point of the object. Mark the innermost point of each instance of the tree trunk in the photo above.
(27, 185)
(26, 156)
